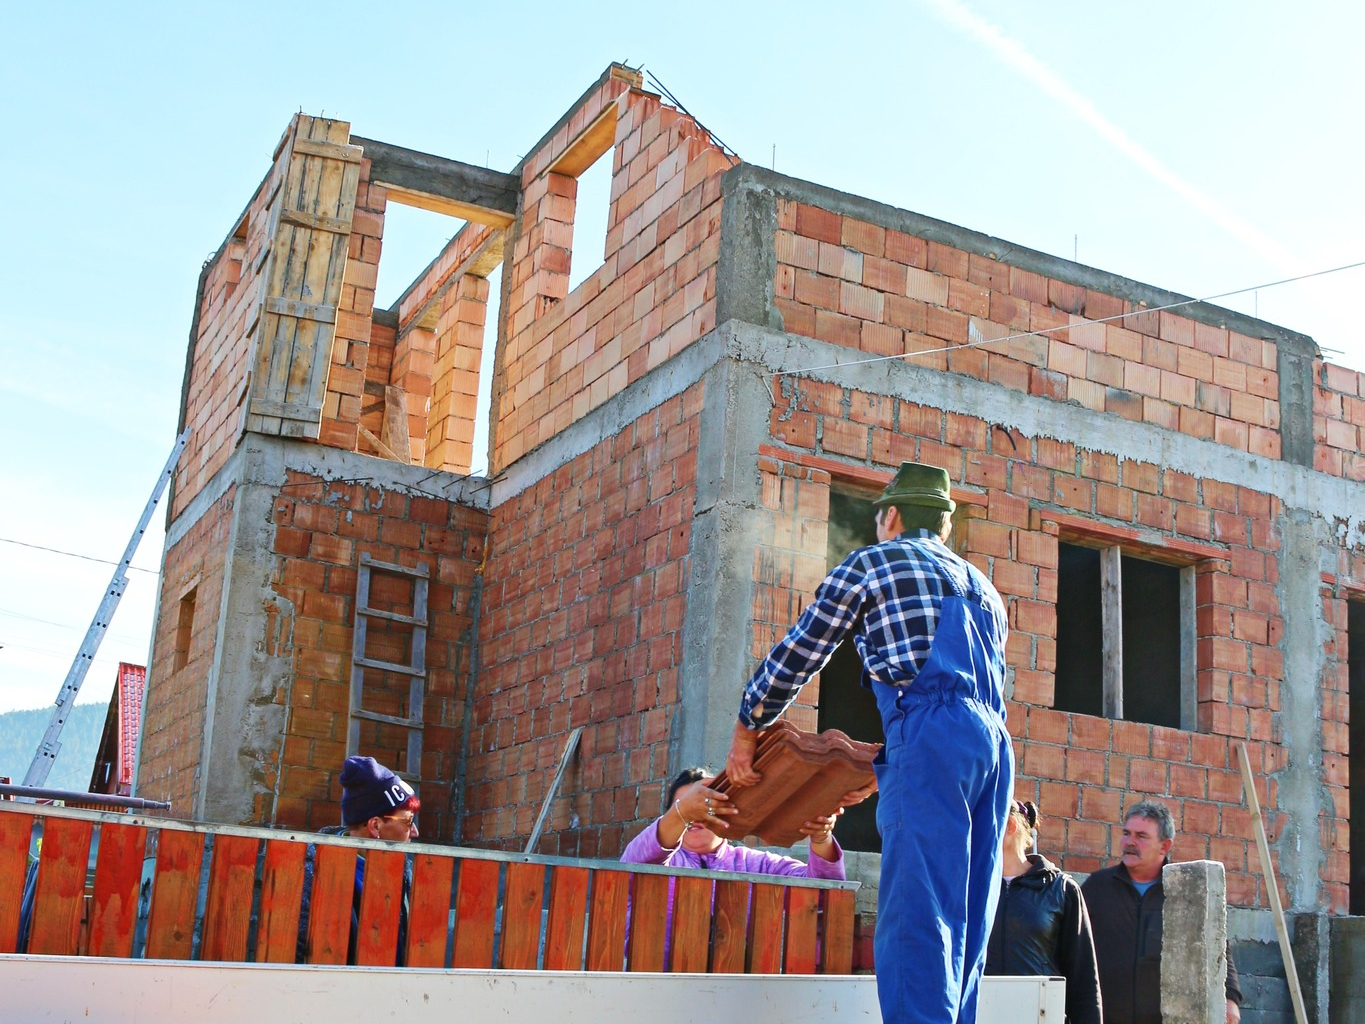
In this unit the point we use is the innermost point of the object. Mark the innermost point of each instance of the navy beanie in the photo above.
(369, 790)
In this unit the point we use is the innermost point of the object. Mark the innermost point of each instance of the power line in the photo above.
(74, 554)
(1067, 327)
(66, 625)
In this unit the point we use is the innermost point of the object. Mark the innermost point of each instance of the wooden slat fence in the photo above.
(106, 884)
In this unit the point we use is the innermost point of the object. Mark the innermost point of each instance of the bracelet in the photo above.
(686, 824)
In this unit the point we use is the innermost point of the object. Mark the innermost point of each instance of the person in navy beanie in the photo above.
(376, 803)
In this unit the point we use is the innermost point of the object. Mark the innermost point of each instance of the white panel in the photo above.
(39, 989)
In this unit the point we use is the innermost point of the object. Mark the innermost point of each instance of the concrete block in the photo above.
(1348, 970)
(1194, 943)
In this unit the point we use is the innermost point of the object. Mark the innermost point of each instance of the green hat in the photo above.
(918, 484)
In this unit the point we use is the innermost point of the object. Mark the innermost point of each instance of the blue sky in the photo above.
(1197, 147)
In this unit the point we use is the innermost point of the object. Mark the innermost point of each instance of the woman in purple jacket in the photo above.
(683, 838)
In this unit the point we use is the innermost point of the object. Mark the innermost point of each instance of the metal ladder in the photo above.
(416, 671)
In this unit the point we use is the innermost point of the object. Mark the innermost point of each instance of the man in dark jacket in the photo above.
(1125, 903)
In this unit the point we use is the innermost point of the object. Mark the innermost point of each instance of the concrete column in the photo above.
(1194, 943)
(1294, 355)
(717, 630)
(1302, 796)
(747, 265)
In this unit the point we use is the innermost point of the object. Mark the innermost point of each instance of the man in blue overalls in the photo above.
(930, 629)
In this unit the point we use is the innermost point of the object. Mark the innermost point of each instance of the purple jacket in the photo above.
(645, 849)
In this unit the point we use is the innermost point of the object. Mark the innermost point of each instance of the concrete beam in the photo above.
(442, 185)
(1194, 943)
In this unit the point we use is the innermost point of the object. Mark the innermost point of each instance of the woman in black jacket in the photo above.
(1041, 924)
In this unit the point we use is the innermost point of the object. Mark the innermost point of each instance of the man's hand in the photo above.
(1234, 1013)
(739, 765)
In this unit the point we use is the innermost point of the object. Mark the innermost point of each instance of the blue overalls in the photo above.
(945, 777)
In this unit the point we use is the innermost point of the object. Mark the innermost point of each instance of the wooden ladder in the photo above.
(416, 670)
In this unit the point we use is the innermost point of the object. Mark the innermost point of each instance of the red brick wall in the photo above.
(173, 724)
(1339, 421)
(583, 605)
(1082, 770)
(321, 530)
(218, 367)
(853, 283)
(655, 293)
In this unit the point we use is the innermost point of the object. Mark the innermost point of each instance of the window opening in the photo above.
(1355, 655)
(592, 211)
(411, 235)
(1125, 637)
(184, 630)
(483, 401)
(844, 703)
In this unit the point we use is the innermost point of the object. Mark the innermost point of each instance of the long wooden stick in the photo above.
(1291, 973)
(569, 748)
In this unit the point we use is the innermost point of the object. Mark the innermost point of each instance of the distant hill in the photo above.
(22, 731)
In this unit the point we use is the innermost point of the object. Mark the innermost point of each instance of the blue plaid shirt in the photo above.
(896, 588)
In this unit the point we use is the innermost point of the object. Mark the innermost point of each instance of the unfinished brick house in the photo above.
(1167, 493)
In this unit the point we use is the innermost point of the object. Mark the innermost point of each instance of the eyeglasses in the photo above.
(408, 821)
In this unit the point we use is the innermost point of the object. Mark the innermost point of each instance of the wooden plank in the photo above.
(395, 433)
(390, 666)
(59, 900)
(227, 910)
(570, 745)
(277, 934)
(521, 908)
(476, 904)
(607, 920)
(732, 926)
(381, 905)
(592, 144)
(301, 310)
(307, 264)
(118, 876)
(329, 150)
(448, 207)
(15, 834)
(287, 264)
(429, 910)
(1111, 619)
(836, 949)
(803, 918)
(568, 918)
(691, 942)
(648, 922)
(175, 894)
(420, 570)
(378, 613)
(1272, 887)
(336, 197)
(287, 410)
(330, 905)
(765, 929)
(379, 445)
(316, 221)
